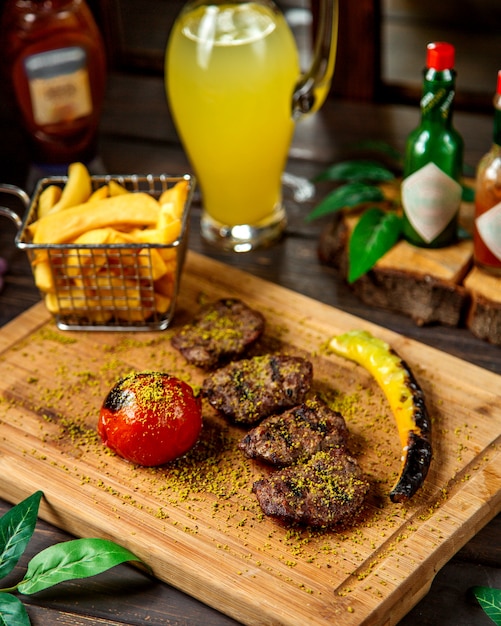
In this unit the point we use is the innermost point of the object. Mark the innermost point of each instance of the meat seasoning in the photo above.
(487, 230)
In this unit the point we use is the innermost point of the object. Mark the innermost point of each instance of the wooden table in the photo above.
(137, 136)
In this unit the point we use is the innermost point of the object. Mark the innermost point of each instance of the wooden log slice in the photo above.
(424, 284)
(484, 317)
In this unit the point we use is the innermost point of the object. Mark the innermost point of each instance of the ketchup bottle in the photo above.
(53, 57)
(487, 231)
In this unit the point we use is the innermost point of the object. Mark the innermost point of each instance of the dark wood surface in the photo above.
(137, 137)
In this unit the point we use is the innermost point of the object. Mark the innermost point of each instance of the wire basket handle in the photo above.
(19, 193)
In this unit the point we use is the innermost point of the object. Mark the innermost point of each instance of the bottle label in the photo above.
(489, 228)
(59, 85)
(430, 199)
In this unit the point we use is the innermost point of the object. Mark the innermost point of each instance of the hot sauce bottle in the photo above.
(431, 189)
(54, 59)
(487, 226)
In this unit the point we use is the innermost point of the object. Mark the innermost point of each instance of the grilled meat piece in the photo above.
(326, 490)
(221, 330)
(295, 434)
(246, 391)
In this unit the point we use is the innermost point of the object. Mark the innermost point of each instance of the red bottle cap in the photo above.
(440, 56)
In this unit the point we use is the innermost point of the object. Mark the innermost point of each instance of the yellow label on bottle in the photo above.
(59, 85)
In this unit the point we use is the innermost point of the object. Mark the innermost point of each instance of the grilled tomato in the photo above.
(150, 418)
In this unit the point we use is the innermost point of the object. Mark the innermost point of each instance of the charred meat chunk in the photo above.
(296, 434)
(326, 490)
(220, 331)
(246, 391)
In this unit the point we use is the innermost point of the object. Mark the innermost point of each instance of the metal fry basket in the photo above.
(110, 286)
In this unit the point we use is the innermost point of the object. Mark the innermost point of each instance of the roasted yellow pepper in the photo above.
(406, 400)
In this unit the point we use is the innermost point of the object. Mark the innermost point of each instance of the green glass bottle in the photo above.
(431, 189)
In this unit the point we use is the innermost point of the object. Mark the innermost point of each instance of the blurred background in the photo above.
(384, 37)
(381, 53)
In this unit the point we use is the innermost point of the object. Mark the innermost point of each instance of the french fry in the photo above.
(99, 194)
(167, 214)
(77, 189)
(164, 235)
(164, 286)
(97, 279)
(138, 315)
(80, 262)
(144, 264)
(114, 291)
(150, 264)
(102, 292)
(48, 199)
(84, 263)
(96, 236)
(116, 189)
(168, 254)
(42, 271)
(57, 303)
(176, 196)
(68, 304)
(134, 209)
(162, 303)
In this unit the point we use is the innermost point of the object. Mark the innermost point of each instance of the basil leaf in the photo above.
(348, 195)
(16, 529)
(79, 558)
(356, 170)
(12, 611)
(376, 232)
(381, 147)
(490, 601)
(464, 234)
(469, 170)
(468, 194)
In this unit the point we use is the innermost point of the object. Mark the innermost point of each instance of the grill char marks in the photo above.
(246, 391)
(317, 483)
(221, 331)
(295, 434)
(329, 489)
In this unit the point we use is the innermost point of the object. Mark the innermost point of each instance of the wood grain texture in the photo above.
(430, 286)
(196, 522)
(484, 317)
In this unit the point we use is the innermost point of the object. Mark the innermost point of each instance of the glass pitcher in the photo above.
(235, 91)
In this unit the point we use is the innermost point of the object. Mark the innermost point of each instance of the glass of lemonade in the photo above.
(235, 88)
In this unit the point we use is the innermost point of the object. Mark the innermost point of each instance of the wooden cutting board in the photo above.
(197, 522)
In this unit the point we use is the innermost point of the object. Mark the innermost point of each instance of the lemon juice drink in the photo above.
(231, 70)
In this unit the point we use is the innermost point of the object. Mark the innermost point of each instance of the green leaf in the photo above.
(469, 170)
(463, 234)
(12, 611)
(349, 195)
(468, 194)
(490, 601)
(79, 558)
(376, 232)
(382, 147)
(16, 529)
(356, 170)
